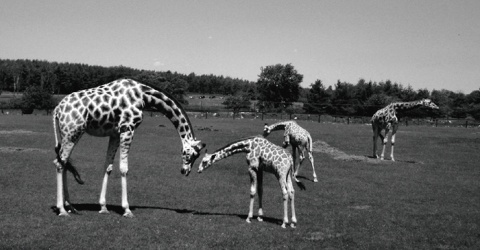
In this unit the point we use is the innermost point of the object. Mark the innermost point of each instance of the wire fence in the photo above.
(320, 118)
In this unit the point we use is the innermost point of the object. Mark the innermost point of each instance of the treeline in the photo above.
(351, 99)
(364, 98)
(64, 78)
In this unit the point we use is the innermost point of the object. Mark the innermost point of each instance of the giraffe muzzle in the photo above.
(186, 171)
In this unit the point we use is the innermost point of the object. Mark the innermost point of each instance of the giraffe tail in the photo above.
(68, 166)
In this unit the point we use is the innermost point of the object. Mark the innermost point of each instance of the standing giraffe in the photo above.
(386, 119)
(114, 110)
(262, 155)
(300, 140)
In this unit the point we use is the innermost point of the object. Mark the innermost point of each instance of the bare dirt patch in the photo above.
(16, 132)
(337, 154)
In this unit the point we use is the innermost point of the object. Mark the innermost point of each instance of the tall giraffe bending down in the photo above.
(262, 155)
(114, 110)
(386, 119)
(300, 140)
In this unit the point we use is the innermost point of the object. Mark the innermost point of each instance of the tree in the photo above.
(35, 97)
(237, 102)
(318, 98)
(279, 85)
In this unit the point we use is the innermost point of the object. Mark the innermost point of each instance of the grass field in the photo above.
(429, 198)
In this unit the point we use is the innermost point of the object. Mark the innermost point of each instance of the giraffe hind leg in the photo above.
(253, 191)
(61, 163)
(310, 158)
(111, 151)
(125, 142)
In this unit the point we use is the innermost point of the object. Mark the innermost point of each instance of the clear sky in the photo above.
(433, 44)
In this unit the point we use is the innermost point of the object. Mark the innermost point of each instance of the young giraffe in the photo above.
(300, 140)
(114, 110)
(386, 119)
(262, 155)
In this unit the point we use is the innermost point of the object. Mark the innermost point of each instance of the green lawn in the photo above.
(429, 198)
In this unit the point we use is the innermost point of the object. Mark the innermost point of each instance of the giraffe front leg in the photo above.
(112, 150)
(253, 190)
(291, 195)
(384, 144)
(125, 141)
(283, 185)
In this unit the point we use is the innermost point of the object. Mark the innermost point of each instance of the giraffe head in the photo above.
(207, 161)
(266, 130)
(428, 103)
(190, 153)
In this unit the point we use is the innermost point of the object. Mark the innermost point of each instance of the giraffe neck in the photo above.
(158, 100)
(242, 146)
(279, 126)
(406, 105)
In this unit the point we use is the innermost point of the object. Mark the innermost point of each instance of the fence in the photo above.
(224, 114)
(436, 122)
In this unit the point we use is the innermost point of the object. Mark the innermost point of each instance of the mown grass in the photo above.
(429, 198)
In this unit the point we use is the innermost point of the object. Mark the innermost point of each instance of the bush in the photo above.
(35, 97)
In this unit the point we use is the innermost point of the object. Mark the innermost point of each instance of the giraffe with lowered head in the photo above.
(386, 119)
(114, 110)
(262, 156)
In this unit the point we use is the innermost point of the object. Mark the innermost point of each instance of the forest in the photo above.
(277, 88)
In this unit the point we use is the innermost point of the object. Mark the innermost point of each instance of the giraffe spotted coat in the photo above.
(262, 156)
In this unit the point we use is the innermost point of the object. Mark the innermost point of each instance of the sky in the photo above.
(432, 44)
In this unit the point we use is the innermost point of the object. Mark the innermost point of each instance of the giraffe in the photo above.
(386, 119)
(114, 110)
(262, 156)
(300, 140)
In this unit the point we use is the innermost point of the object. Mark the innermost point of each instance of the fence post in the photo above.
(436, 122)
(262, 116)
(318, 118)
(206, 115)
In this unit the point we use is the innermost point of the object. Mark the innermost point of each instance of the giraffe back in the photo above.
(103, 110)
(272, 158)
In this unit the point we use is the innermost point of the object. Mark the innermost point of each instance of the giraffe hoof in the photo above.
(248, 220)
(284, 225)
(315, 180)
(128, 214)
(64, 214)
(104, 211)
(259, 218)
(293, 225)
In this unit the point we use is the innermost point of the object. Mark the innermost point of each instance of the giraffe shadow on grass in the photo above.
(119, 210)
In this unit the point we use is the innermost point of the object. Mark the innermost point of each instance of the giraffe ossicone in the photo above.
(386, 119)
(299, 138)
(114, 110)
(262, 156)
